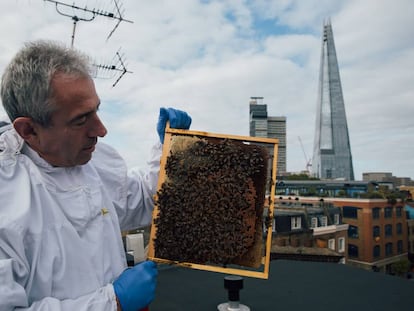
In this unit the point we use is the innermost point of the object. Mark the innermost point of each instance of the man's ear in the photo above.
(26, 128)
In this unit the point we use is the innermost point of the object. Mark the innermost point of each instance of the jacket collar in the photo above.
(10, 143)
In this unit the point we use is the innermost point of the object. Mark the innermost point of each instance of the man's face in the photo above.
(75, 129)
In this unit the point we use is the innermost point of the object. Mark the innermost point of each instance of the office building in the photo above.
(262, 125)
(386, 177)
(332, 157)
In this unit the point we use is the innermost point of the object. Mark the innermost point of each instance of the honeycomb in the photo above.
(210, 205)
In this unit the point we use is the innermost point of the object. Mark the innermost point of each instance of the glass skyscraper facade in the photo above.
(332, 157)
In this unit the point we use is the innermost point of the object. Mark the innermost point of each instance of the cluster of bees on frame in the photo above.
(211, 201)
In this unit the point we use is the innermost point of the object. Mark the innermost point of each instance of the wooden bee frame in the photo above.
(262, 268)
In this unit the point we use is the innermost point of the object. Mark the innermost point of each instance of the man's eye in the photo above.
(80, 121)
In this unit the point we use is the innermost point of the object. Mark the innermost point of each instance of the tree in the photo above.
(401, 267)
(341, 193)
(301, 176)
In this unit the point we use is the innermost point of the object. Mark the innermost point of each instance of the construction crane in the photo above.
(307, 160)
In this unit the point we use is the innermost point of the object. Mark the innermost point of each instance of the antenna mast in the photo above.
(88, 15)
(91, 14)
(117, 65)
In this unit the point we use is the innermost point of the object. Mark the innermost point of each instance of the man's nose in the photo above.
(97, 128)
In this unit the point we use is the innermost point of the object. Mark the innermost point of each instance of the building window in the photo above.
(353, 232)
(314, 222)
(331, 244)
(376, 231)
(399, 228)
(296, 222)
(341, 245)
(376, 251)
(352, 250)
(350, 212)
(324, 221)
(398, 211)
(328, 173)
(388, 230)
(336, 219)
(388, 249)
(376, 212)
(388, 212)
(400, 247)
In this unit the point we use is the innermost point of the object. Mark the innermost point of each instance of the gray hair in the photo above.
(25, 85)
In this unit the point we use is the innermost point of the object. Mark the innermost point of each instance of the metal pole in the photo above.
(75, 20)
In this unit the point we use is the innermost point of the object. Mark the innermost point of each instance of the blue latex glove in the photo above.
(135, 287)
(178, 120)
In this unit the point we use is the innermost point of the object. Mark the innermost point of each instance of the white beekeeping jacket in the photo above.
(60, 238)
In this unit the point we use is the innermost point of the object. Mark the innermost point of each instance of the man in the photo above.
(65, 197)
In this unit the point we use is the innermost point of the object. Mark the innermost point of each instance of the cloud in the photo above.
(210, 57)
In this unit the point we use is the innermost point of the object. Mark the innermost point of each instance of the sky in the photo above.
(209, 57)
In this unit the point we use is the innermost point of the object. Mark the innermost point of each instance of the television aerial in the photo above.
(109, 70)
(89, 15)
(77, 13)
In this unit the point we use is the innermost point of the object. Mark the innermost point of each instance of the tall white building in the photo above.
(262, 125)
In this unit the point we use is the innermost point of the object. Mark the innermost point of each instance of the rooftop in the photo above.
(292, 285)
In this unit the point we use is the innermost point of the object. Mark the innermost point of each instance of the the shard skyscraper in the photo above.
(332, 157)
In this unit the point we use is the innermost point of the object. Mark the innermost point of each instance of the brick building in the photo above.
(377, 232)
